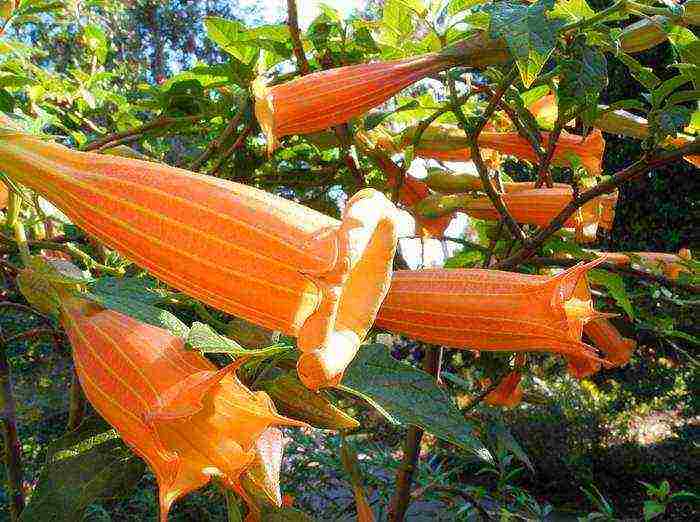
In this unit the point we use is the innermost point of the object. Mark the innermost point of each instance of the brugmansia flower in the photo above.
(492, 310)
(448, 143)
(188, 420)
(617, 349)
(268, 260)
(508, 393)
(670, 264)
(323, 99)
(528, 205)
(326, 98)
(262, 480)
(448, 182)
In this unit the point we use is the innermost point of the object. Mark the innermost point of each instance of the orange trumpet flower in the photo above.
(527, 205)
(670, 264)
(263, 258)
(617, 349)
(481, 309)
(187, 419)
(448, 143)
(508, 393)
(326, 98)
(447, 182)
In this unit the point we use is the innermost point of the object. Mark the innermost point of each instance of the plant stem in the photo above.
(297, 45)
(404, 476)
(11, 443)
(233, 511)
(77, 405)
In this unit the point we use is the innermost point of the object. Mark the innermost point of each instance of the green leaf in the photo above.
(135, 297)
(685, 43)
(243, 43)
(505, 438)
(615, 286)
(528, 32)
(396, 26)
(203, 338)
(376, 118)
(88, 465)
(457, 6)
(582, 79)
(653, 509)
(669, 121)
(572, 10)
(407, 396)
(96, 40)
(644, 75)
(468, 258)
(285, 514)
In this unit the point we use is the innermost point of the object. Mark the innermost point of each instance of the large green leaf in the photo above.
(88, 465)
(244, 43)
(583, 79)
(528, 32)
(407, 396)
(202, 337)
(572, 10)
(135, 297)
(615, 285)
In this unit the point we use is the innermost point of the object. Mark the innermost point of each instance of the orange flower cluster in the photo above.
(448, 143)
(491, 310)
(189, 421)
(266, 259)
(670, 264)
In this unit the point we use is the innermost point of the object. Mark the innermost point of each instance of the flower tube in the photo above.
(617, 349)
(671, 264)
(530, 206)
(491, 310)
(326, 98)
(263, 258)
(449, 143)
(187, 419)
(508, 393)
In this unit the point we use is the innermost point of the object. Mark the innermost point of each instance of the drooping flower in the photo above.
(262, 479)
(527, 205)
(266, 259)
(326, 98)
(670, 264)
(508, 393)
(617, 349)
(492, 310)
(447, 182)
(449, 143)
(187, 419)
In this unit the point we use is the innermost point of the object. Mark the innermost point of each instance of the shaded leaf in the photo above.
(88, 465)
(135, 297)
(407, 396)
(202, 337)
(583, 79)
(615, 286)
(528, 32)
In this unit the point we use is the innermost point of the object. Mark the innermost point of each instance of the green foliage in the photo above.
(529, 33)
(88, 465)
(407, 396)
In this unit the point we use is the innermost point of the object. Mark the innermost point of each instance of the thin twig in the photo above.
(111, 139)
(11, 443)
(543, 174)
(220, 139)
(294, 33)
(235, 145)
(404, 476)
(644, 165)
(473, 138)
